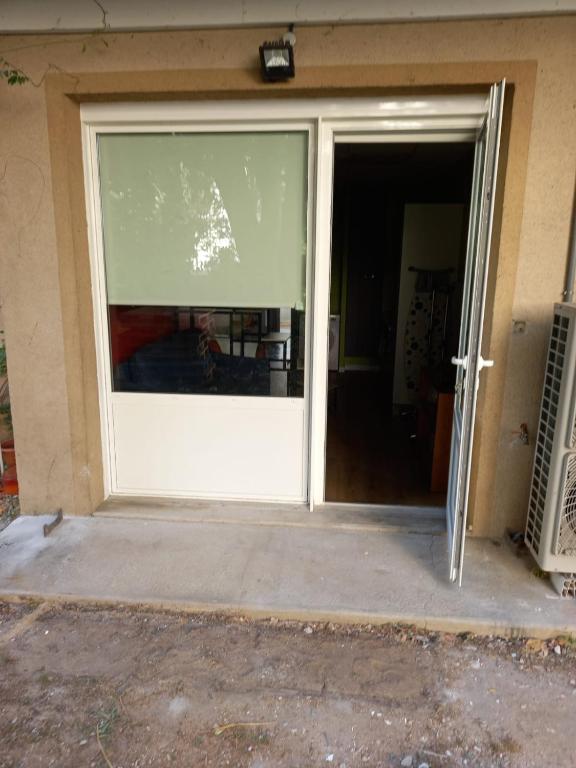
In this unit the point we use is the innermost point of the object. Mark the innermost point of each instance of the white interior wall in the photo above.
(431, 239)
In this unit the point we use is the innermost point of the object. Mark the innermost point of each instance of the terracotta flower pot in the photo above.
(8, 453)
(9, 480)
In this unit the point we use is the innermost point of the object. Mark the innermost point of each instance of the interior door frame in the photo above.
(449, 126)
(352, 120)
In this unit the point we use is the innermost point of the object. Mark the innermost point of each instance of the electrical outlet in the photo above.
(518, 326)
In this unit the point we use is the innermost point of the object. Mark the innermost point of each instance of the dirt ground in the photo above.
(100, 687)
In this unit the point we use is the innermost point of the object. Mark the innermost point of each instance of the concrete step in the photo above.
(324, 574)
(426, 520)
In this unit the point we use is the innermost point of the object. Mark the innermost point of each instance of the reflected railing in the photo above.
(208, 350)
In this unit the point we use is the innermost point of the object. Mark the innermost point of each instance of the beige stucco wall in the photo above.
(48, 447)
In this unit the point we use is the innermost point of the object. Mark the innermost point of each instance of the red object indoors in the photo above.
(133, 327)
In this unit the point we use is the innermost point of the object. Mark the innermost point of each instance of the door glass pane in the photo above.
(471, 266)
(476, 213)
(205, 256)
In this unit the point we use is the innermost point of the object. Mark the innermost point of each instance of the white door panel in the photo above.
(469, 361)
(209, 446)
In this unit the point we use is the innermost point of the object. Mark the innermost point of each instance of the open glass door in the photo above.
(469, 361)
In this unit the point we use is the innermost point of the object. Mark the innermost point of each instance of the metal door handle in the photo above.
(463, 361)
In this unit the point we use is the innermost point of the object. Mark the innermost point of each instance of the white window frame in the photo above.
(328, 121)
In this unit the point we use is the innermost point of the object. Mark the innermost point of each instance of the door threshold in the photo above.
(416, 510)
(404, 518)
(428, 520)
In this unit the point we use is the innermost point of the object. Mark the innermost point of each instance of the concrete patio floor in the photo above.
(316, 571)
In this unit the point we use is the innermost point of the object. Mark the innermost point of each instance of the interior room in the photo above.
(399, 231)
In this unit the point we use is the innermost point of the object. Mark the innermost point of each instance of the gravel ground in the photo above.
(101, 687)
(9, 509)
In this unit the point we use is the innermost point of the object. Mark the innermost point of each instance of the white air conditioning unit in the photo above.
(551, 526)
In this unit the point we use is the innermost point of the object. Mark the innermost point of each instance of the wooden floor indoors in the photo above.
(371, 454)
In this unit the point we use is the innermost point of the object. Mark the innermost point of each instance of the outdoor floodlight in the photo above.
(277, 58)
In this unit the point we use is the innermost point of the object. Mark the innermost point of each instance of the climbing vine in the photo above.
(12, 75)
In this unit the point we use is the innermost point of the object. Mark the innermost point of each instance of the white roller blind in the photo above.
(205, 219)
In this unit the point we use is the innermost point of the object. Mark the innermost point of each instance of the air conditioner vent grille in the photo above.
(566, 538)
(548, 415)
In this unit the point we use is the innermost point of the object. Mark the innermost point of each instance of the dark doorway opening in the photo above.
(399, 229)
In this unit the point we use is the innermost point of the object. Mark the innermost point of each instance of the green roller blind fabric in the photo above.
(205, 219)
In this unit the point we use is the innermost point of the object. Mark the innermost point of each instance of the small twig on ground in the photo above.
(104, 755)
(219, 729)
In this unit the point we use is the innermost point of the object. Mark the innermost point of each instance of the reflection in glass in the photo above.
(205, 242)
(193, 350)
(203, 219)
